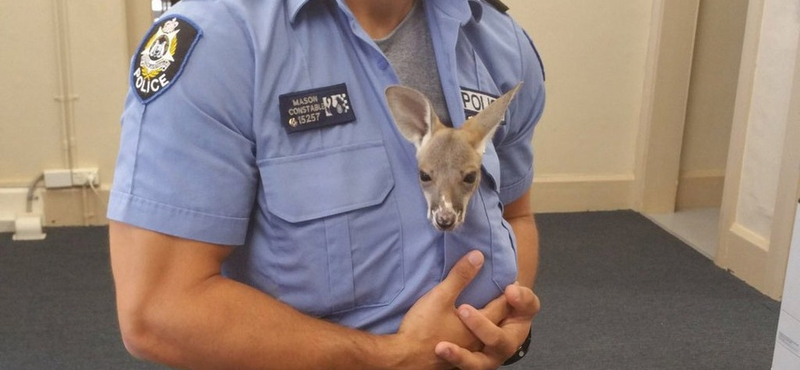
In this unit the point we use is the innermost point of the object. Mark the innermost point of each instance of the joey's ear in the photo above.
(412, 113)
(483, 125)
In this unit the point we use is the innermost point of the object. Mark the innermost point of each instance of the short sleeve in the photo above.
(515, 151)
(186, 165)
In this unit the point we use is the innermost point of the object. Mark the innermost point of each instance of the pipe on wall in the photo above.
(66, 96)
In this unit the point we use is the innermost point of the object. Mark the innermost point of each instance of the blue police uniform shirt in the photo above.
(329, 219)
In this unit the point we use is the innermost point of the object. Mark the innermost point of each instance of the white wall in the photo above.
(30, 115)
(33, 113)
(100, 85)
(712, 93)
(767, 119)
(594, 53)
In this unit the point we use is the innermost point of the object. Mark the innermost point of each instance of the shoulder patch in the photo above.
(161, 56)
(497, 4)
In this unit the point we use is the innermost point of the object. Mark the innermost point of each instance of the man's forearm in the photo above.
(222, 324)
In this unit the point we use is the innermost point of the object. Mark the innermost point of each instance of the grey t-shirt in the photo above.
(410, 51)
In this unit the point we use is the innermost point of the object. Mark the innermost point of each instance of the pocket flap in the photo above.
(324, 183)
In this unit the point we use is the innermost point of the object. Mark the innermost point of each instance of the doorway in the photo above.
(692, 214)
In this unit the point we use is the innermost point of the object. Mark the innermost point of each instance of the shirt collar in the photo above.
(462, 10)
(294, 6)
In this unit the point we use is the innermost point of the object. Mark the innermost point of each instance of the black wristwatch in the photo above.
(521, 351)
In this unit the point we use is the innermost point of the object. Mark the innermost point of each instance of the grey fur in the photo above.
(449, 159)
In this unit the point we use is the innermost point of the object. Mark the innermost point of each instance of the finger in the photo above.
(497, 310)
(463, 359)
(524, 302)
(500, 342)
(461, 274)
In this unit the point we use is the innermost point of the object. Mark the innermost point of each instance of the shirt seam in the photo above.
(252, 48)
(176, 209)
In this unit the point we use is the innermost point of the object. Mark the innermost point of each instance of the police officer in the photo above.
(266, 212)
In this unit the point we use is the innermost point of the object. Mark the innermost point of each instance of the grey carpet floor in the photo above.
(617, 293)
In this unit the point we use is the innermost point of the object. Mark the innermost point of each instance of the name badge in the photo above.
(474, 101)
(316, 108)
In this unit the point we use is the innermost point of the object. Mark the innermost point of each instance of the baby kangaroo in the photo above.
(449, 158)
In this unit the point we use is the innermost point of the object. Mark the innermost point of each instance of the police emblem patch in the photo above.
(162, 55)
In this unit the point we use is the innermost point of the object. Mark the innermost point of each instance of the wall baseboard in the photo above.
(75, 207)
(578, 193)
(59, 207)
(700, 189)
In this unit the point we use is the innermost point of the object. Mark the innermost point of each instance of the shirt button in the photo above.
(383, 64)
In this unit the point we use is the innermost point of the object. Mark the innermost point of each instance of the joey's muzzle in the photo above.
(445, 220)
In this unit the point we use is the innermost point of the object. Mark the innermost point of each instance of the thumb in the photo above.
(523, 300)
(461, 275)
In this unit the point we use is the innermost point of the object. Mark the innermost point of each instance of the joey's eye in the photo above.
(470, 177)
(424, 177)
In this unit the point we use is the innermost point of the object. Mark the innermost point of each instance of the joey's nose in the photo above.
(446, 221)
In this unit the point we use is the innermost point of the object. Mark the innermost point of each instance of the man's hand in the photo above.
(434, 318)
(499, 340)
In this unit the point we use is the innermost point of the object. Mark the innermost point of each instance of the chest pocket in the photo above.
(334, 228)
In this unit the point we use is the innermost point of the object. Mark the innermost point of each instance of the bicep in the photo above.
(147, 264)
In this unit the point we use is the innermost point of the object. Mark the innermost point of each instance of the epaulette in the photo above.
(497, 4)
